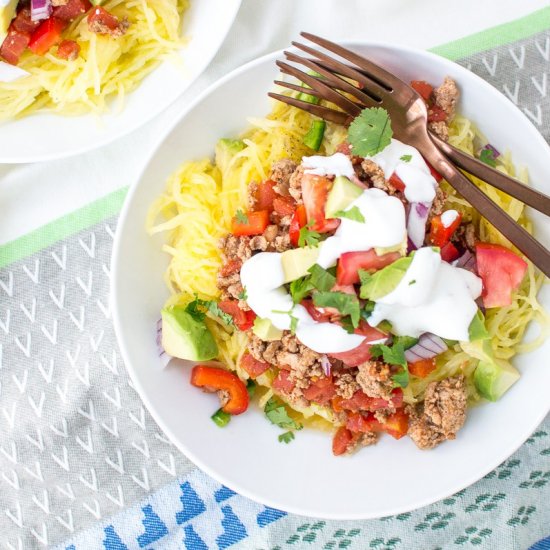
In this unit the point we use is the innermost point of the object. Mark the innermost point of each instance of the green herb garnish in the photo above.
(287, 437)
(346, 304)
(241, 217)
(320, 278)
(221, 418)
(488, 157)
(243, 295)
(198, 309)
(352, 214)
(406, 158)
(370, 132)
(394, 355)
(277, 414)
(293, 320)
(307, 237)
(300, 288)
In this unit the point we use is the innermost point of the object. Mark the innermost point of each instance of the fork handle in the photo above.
(535, 199)
(495, 215)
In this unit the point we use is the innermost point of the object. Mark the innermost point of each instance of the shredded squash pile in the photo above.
(107, 68)
(201, 198)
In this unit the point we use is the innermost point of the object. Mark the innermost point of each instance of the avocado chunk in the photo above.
(186, 337)
(297, 261)
(477, 330)
(492, 377)
(342, 194)
(383, 281)
(226, 149)
(266, 330)
(401, 248)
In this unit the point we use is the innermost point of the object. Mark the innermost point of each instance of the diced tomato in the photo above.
(436, 114)
(316, 314)
(243, 319)
(264, 196)
(396, 182)
(213, 379)
(422, 368)
(321, 391)
(361, 353)
(436, 175)
(71, 10)
(284, 206)
(314, 193)
(252, 366)
(298, 221)
(23, 21)
(361, 401)
(230, 267)
(282, 383)
(440, 235)
(46, 35)
(14, 45)
(423, 88)
(343, 441)
(396, 425)
(349, 264)
(344, 148)
(102, 22)
(255, 224)
(68, 49)
(501, 271)
(449, 252)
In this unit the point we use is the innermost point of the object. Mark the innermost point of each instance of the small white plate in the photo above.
(48, 136)
(303, 477)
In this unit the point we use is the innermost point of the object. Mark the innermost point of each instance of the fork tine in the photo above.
(333, 78)
(377, 73)
(296, 88)
(327, 92)
(368, 85)
(338, 117)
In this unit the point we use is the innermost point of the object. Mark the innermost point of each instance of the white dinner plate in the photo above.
(48, 136)
(304, 477)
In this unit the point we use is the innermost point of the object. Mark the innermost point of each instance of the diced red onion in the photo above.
(467, 261)
(325, 363)
(163, 356)
(40, 9)
(495, 152)
(428, 346)
(416, 222)
(410, 245)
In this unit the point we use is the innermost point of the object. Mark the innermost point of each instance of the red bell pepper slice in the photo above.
(422, 368)
(244, 320)
(298, 221)
(441, 235)
(343, 441)
(349, 264)
(255, 224)
(46, 35)
(315, 191)
(449, 252)
(252, 366)
(213, 379)
(423, 88)
(501, 271)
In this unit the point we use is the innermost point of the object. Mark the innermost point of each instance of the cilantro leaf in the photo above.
(394, 355)
(488, 157)
(241, 217)
(367, 310)
(406, 158)
(300, 288)
(198, 309)
(347, 325)
(277, 414)
(307, 237)
(293, 320)
(346, 304)
(407, 341)
(320, 278)
(352, 214)
(412, 282)
(287, 437)
(243, 295)
(370, 132)
(215, 310)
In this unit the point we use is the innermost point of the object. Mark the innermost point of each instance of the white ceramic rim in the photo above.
(435, 497)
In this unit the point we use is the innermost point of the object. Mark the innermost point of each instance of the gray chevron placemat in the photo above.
(78, 447)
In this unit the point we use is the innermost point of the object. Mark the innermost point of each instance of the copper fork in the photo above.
(379, 88)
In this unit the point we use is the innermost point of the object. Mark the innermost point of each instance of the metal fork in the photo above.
(378, 88)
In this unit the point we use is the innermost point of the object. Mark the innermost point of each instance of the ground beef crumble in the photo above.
(281, 173)
(441, 415)
(374, 378)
